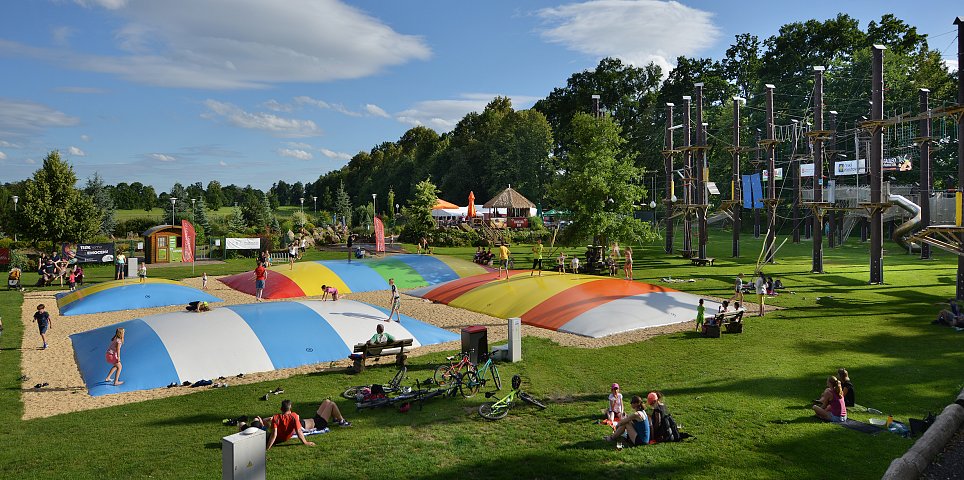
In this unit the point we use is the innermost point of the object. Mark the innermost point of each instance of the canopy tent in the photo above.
(306, 278)
(185, 346)
(585, 305)
(117, 295)
(442, 204)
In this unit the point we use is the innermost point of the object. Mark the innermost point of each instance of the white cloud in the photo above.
(18, 115)
(222, 163)
(76, 151)
(951, 65)
(31, 161)
(295, 153)
(3, 156)
(177, 44)
(443, 115)
(276, 106)
(377, 111)
(303, 100)
(283, 127)
(299, 145)
(635, 31)
(335, 155)
(85, 138)
(161, 157)
(6, 144)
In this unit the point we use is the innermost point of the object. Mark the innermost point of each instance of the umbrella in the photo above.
(471, 211)
(442, 204)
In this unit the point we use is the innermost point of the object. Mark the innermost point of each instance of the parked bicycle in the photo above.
(458, 365)
(351, 393)
(478, 376)
(420, 393)
(499, 409)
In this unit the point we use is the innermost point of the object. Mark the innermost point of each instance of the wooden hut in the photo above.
(518, 208)
(162, 244)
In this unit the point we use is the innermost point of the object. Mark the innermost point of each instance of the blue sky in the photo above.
(253, 91)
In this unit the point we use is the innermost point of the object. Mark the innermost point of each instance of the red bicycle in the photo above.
(453, 371)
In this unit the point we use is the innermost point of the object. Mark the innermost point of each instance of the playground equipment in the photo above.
(117, 295)
(906, 227)
(184, 346)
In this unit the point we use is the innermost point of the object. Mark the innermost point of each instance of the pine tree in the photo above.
(236, 222)
(343, 204)
(103, 202)
(201, 214)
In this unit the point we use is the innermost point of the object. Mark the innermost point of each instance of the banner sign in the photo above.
(95, 252)
(188, 238)
(777, 172)
(4, 256)
(522, 222)
(901, 164)
(242, 243)
(806, 170)
(379, 235)
(850, 167)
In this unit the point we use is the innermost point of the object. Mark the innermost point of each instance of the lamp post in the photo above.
(192, 209)
(173, 201)
(15, 200)
(315, 200)
(302, 199)
(374, 210)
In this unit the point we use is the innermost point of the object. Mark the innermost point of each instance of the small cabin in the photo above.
(162, 244)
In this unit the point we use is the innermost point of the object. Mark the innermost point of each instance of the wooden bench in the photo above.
(376, 350)
(703, 261)
(732, 321)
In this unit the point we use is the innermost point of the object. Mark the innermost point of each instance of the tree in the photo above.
(103, 202)
(418, 212)
(391, 204)
(52, 209)
(599, 183)
(213, 196)
(201, 214)
(343, 204)
(236, 222)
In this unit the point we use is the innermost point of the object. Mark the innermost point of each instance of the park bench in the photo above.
(731, 321)
(703, 261)
(376, 350)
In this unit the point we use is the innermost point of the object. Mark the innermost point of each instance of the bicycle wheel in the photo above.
(469, 384)
(496, 377)
(443, 374)
(350, 392)
(397, 379)
(528, 398)
(491, 411)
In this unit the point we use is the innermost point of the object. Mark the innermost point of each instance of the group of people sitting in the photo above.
(639, 428)
(833, 402)
(56, 267)
(483, 257)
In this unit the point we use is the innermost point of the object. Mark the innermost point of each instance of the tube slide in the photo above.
(906, 227)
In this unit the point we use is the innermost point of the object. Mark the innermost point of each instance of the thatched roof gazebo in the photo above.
(517, 205)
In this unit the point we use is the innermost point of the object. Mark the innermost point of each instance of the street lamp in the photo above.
(192, 209)
(315, 199)
(15, 200)
(302, 204)
(374, 210)
(173, 201)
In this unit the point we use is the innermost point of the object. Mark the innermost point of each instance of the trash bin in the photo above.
(475, 340)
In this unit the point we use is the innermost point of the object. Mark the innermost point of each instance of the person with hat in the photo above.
(616, 411)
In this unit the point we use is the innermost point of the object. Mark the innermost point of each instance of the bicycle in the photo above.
(417, 394)
(351, 393)
(498, 410)
(444, 373)
(475, 378)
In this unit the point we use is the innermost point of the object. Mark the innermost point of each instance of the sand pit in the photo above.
(67, 392)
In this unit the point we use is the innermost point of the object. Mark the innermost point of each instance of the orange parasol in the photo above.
(471, 212)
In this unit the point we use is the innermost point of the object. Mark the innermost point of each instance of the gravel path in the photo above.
(949, 464)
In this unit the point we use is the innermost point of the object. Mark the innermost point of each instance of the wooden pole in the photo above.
(876, 168)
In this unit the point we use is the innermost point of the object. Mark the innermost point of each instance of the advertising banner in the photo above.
(242, 243)
(379, 235)
(188, 238)
(4, 256)
(522, 222)
(806, 170)
(95, 252)
(777, 172)
(850, 167)
(900, 164)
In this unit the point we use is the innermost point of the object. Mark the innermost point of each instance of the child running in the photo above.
(43, 321)
(113, 356)
(396, 303)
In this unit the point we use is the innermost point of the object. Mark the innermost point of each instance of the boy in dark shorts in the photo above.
(43, 321)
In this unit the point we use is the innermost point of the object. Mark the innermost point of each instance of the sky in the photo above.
(256, 91)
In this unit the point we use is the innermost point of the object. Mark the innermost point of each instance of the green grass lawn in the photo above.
(744, 397)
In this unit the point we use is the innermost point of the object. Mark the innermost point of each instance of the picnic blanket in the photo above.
(861, 427)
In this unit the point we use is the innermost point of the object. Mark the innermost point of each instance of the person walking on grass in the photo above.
(503, 261)
(43, 322)
(536, 258)
(396, 303)
(761, 291)
(260, 277)
(628, 266)
(113, 357)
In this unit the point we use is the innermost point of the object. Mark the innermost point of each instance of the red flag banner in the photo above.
(187, 241)
(379, 235)
(4, 256)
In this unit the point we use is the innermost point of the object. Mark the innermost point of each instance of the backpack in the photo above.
(667, 430)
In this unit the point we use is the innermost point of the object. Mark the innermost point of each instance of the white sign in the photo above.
(850, 167)
(777, 172)
(242, 243)
(713, 189)
(806, 170)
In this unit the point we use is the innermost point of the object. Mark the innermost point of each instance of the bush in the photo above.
(20, 260)
(136, 226)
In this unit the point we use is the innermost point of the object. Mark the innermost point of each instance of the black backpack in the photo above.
(667, 430)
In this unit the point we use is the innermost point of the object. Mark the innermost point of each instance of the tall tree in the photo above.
(213, 196)
(103, 202)
(52, 208)
(418, 212)
(343, 204)
(599, 183)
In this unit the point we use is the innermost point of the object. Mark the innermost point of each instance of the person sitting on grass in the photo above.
(616, 410)
(847, 386)
(662, 429)
(831, 406)
(323, 416)
(634, 426)
(286, 425)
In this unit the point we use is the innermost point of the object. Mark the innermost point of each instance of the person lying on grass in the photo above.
(951, 316)
(831, 405)
(635, 425)
(282, 426)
